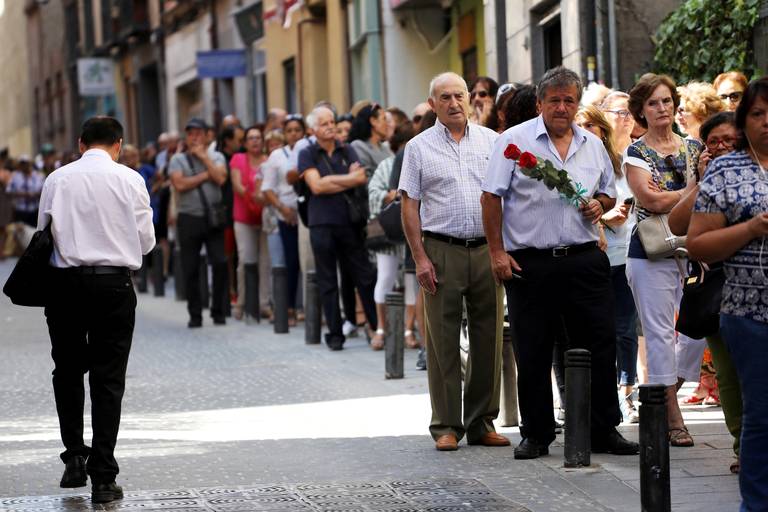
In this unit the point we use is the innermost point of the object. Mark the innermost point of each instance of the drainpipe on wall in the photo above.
(502, 66)
(613, 44)
(214, 33)
(383, 62)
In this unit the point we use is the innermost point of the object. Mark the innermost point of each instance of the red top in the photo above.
(246, 211)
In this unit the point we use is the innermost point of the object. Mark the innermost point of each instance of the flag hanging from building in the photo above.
(283, 11)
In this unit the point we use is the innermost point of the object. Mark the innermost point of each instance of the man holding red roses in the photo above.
(545, 252)
(440, 182)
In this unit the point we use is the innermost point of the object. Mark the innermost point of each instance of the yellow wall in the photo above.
(459, 9)
(16, 97)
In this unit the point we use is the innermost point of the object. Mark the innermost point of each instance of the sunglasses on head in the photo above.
(294, 117)
(345, 117)
(734, 96)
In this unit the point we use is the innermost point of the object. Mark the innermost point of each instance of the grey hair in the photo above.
(439, 78)
(612, 96)
(559, 76)
(312, 117)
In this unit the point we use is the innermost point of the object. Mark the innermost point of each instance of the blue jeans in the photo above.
(747, 341)
(626, 327)
(276, 252)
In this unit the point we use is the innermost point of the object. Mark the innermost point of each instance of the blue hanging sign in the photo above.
(221, 64)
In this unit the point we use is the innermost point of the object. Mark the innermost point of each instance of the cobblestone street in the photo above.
(239, 418)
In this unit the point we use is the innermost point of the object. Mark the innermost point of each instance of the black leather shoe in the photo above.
(616, 444)
(195, 323)
(219, 320)
(104, 493)
(74, 473)
(530, 449)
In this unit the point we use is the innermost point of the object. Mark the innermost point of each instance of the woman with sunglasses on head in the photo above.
(718, 385)
(482, 98)
(282, 197)
(730, 224)
(657, 167)
(730, 88)
(369, 139)
(246, 176)
(698, 102)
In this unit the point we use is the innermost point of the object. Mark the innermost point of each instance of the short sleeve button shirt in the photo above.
(445, 176)
(534, 216)
(733, 186)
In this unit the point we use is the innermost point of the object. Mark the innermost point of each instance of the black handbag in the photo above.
(375, 237)
(29, 283)
(699, 314)
(216, 214)
(391, 222)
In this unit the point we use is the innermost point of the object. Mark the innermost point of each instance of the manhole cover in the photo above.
(447, 495)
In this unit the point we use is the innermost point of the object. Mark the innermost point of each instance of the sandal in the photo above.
(377, 342)
(735, 467)
(680, 437)
(410, 339)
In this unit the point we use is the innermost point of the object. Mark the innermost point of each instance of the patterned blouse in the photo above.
(669, 172)
(734, 187)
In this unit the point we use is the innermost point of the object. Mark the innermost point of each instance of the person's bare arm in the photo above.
(425, 271)
(653, 200)
(237, 181)
(502, 264)
(680, 216)
(185, 183)
(709, 240)
(335, 183)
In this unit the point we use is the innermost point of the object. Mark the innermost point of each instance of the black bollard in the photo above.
(205, 292)
(508, 414)
(394, 342)
(654, 449)
(280, 297)
(180, 287)
(251, 293)
(578, 394)
(312, 320)
(142, 275)
(158, 280)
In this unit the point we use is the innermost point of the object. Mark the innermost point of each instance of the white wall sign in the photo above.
(95, 77)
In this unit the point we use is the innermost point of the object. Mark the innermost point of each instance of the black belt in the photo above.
(99, 270)
(557, 252)
(469, 243)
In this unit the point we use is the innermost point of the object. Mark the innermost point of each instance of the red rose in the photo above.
(512, 152)
(527, 160)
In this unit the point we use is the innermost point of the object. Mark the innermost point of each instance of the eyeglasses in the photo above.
(727, 143)
(620, 113)
(732, 97)
(253, 137)
(417, 118)
(482, 94)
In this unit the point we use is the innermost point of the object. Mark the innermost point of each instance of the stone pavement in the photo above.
(239, 411)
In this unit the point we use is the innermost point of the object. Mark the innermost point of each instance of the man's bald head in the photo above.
(446, 79)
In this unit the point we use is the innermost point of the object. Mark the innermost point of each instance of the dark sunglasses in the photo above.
(417, 118)
(482, 94)
(734, 96)
(677, 177)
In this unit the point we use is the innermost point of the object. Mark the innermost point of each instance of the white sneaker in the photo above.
(631, 414)
(349, 329)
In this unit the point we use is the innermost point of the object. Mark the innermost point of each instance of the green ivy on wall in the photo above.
(703, 38)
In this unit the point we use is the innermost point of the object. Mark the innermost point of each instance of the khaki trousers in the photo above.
(463, 276)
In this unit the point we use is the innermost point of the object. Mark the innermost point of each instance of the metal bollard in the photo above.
(508, 411)
(179, 285)
(142, 276)
(312, 320)
(578, 407)
(394, 342)
(252, 293)
(654, 449)
(280, 297)
(158, 279)
(205, 292)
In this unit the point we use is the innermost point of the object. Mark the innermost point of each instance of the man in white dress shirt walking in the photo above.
(101, 223)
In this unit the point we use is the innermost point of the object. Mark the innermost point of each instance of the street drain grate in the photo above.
(447, 495)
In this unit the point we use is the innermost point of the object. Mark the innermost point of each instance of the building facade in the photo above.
(15, 102)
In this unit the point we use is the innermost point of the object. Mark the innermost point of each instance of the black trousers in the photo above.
(192, 233)
(90, 321)
(343, 245)
(576, 288)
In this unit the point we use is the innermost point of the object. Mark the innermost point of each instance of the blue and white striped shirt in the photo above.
(534, 216)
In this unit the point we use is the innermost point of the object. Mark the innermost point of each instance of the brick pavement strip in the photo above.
(234, 406)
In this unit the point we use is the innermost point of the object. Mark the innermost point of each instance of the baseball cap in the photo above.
(196, 122)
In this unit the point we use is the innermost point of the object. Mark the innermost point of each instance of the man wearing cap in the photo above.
(101, 224)
(197, 175)
(25, 187)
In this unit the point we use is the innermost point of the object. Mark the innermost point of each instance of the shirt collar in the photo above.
(98, 153)
(445, 131)
(579, 133)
